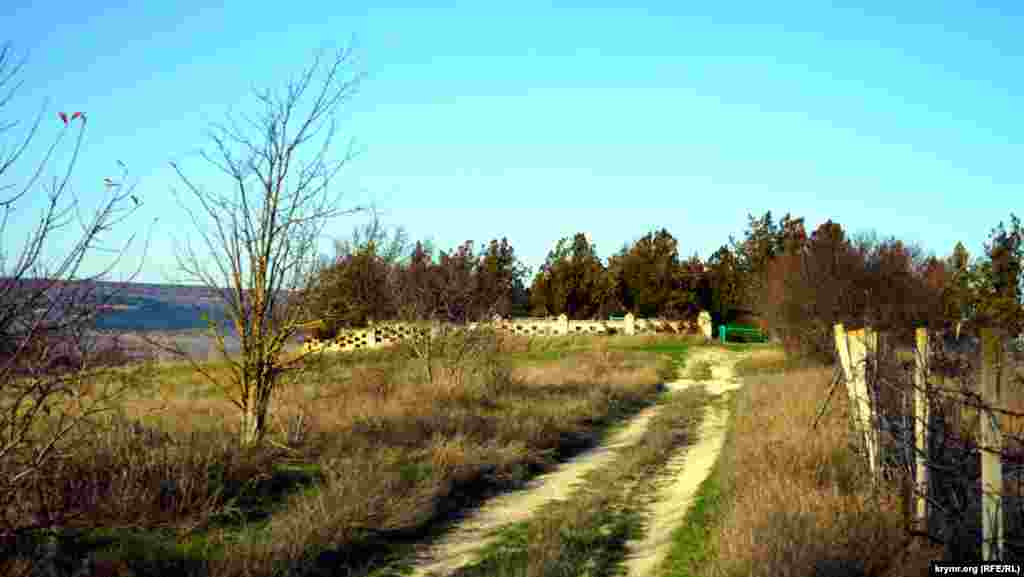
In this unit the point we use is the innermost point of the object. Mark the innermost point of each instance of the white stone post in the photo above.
(704, 322)
(563, 325)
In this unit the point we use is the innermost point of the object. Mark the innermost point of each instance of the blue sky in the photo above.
(535, 121)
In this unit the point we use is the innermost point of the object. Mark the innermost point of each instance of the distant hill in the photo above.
(156, 307)
(147, 313)
(152, 306)
(175, 310)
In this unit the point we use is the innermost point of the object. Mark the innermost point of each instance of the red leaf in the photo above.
(63, 117)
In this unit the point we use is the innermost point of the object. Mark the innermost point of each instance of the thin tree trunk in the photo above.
(248, 430)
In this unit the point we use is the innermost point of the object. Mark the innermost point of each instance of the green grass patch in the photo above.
(692, 547)
(594, 546)
(745, 347)
(257, 500)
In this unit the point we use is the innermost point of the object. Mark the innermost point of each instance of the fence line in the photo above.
(383, 334)
(858, 351)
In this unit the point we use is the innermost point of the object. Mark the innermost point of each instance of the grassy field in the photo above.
(365, 455)
(385, 457)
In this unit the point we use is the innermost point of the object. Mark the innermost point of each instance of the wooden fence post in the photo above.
(852, 353)
(991, 462)
(920, 419)
(844, 353)
(870, 399)
(843, 350)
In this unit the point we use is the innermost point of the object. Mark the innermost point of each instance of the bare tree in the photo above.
(262, 236)
(47, 352)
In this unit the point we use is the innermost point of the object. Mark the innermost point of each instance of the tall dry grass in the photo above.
(803, 502)
(404, 452)
(386, 453)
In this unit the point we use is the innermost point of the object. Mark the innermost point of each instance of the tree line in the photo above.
(797, 285)
(379, 275)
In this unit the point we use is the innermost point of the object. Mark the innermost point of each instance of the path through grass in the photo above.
(587, 533)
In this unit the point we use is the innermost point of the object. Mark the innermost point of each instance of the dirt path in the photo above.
(684, 472)
(459, 546)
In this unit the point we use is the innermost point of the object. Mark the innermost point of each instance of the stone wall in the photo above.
(384, 334)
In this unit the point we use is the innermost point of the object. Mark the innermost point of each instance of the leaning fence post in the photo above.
(991, 460)
(920, 419)
(843, 350)
(852, 354)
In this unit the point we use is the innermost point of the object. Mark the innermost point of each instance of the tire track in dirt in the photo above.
(460, 545)
(686, 469)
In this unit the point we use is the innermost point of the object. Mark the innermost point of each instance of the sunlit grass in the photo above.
(383, 451)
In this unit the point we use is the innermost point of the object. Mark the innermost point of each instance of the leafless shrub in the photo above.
(49, 366)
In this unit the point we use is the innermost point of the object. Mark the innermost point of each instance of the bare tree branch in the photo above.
(48, 360)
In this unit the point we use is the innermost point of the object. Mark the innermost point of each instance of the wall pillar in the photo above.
(563, 325)
(704, 323)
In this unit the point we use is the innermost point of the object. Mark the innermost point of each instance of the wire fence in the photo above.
(941, 418)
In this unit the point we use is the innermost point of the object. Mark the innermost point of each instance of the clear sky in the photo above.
(535, 121)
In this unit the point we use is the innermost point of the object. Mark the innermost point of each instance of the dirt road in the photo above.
(685, 471)
(683, 475)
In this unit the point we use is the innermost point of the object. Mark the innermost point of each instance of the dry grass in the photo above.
(762, 361)
(801, 500)
(591, 367)
(362, 451)
(802, 503)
